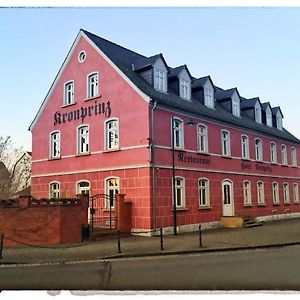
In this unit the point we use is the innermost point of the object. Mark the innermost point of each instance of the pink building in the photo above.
(115, 121)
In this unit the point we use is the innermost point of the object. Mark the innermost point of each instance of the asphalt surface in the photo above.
(271, 234)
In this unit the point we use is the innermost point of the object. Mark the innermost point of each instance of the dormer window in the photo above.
(279, 121)
(269, 118)
(236, 106)
(209, 98)
(185, 89)
(257, 111)
(160, 80)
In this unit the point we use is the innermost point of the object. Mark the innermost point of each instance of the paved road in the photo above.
(273, 269)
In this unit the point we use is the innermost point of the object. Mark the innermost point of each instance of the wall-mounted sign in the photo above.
(259, 167)
(97, 109)
(193, 159)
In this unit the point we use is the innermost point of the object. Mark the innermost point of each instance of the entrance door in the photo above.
(227, 198)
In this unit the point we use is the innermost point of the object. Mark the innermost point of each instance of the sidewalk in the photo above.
(275, 233)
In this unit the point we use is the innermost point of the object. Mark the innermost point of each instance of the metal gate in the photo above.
(102, 211)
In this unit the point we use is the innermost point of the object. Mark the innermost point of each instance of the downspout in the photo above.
(152, 160)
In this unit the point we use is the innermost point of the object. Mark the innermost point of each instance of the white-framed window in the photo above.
(247, 192)
(273, 153)
(55, 144)
(160, 83)
(279, 121)
(180, 192)
(112, 188)
(202, 138)
(225, 140)
(81, 56)
(185, 89)
(112, 134)
(92, 85)
(284, 160)
(83, 187)
(257, 112)
(258, 150)
(83, 139)
(286, 193)
(54, 190)
(245, 146)
(296, 192)
(204, 199)
(275, 192)
(260, 193)
(269, 120)
(236, 106)
(209, 98)
(69, 92)
(177, 128)
(293, 157)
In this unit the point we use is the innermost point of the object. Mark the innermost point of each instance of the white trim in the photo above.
(92, 170)
(181, 131)
(183, 196)
(229, 182)
(207, 189)
(262, 190)
(142, 94)
(106, 188)
(79, 54)
(49, 189)
(82, 180)
(106, 149)
(50, 145)
(247, 147)
(88, 97)
(276, 160)
(73, 92)
(206, 151)
(258, 147)
(277, 193)
(77, 141)
(228, 142)
(249, 193)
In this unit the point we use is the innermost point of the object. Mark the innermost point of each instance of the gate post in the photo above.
(124, 214)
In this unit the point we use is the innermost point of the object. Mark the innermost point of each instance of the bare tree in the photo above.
(15, 169)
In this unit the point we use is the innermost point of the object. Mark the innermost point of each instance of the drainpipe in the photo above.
(152, 161)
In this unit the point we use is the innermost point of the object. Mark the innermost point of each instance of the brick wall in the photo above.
(42, 222)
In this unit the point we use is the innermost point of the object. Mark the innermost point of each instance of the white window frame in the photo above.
(54, 145)
(69, 92)
(181, 189)
(83, 148)
(296, 192)
(54, 190)
(279, 121)
(273, 153)
(160, 83)
(203, 190)
(286, 193)
(294, 157)
(275, 193)
(257, 113)
(269, 120)
(185, 89)
(112, 137)
(178, 133)
(111, 190)
(236, 111)
(209, 100)
(85, 190)
(284, 160)
(260, 193)
(247, 193)
(93, 85)
(245, 146)
(225, 142)
(202, 138)
(258, 149)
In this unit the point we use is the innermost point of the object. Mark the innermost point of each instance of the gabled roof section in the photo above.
(223, 95)
(174, 72)
(277, 109)
(249, 103)
(199, 82)
(148, 62)
(265, 105)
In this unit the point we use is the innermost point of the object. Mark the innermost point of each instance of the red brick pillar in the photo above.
(124, 214)
(24, 201)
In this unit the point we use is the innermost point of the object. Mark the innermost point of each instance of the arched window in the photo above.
(284, 155)
(245, 146)
(273, 153)
(112, 188)
(225, 140)
(275, 192)
(83, 139)
(247, 192)
(112, 134)
(286, 193)
(55, 144)
(92, 85)
(83, 187)
(204, 199)
(177, 127)
(260, 193)
(258, 150)
(54, 191)
(202, 138)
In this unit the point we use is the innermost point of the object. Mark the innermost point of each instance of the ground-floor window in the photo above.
(111, 189)
(204, 192)
(247, 192)
(275, 192)
(286, 193)
(260, 193)
(179, 192)
(54, 190)
(296, 192)
(83, 187)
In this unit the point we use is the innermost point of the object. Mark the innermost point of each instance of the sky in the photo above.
(256, 50)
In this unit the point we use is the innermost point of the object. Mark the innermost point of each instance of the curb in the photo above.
(203, 250)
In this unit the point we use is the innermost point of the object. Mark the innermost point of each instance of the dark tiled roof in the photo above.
(276, 109)
(199, 82)
(221, 95)
(265, 105)
(124, 58)
(248, 103)
(146, 62)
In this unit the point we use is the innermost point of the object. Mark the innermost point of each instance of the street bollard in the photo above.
(119, 242)
(200, 237)
(1, 245)
(161, 240)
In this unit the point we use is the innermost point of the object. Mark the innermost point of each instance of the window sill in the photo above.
(203, 153)
(259, 161)
(287, 203)
(246, 159)
(262, 204)
(179, 149)
(180, 209)
(226, 156)
(92, 98)
(67, 105)
(248, 205)
(204, 207)
(111, 150)
(54, 158)
(276, 204)
(82, 154)
(294, 166)
(296, 203)
(274, 163)
(285, 166)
